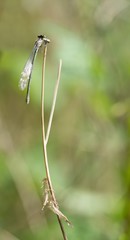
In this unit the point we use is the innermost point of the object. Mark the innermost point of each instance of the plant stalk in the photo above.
(45, 143)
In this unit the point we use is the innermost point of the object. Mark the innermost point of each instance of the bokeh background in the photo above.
(89, 145)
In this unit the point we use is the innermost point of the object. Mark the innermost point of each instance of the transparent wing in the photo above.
(26, 73)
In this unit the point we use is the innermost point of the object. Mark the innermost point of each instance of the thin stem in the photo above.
(43, 124)
(44, 141)
(53, 102)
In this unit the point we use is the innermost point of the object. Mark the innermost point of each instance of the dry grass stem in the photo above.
(53, 102)
(49, 195)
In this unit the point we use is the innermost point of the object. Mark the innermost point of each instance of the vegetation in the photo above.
(88, 149)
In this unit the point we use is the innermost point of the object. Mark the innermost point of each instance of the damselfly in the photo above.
(25, 79)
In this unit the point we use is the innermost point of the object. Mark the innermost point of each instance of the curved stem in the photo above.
(53, 102)
(44, 141)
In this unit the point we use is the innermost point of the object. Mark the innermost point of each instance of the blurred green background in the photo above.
(89, 145)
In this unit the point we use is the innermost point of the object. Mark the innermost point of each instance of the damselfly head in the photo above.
(44, 38)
